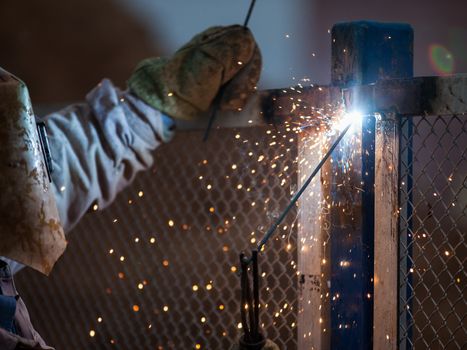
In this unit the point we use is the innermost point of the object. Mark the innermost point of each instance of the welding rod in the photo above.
(217, 101)
(250, 10)
(302, 189)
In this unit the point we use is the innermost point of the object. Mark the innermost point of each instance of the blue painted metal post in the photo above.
(405, 235)
(362, 53)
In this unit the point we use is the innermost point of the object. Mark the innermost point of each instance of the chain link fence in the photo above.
(433, 222)
(158, 268)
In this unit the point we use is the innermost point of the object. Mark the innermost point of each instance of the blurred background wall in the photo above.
(63, 48)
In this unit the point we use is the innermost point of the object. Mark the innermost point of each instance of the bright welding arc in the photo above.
(302, 189)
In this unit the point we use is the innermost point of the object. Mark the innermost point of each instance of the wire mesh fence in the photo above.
(433, 222)
(158, 268)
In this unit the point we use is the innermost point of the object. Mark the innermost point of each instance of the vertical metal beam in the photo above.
(310, 245)
(386, 233)
(405, 234)
(362, 53)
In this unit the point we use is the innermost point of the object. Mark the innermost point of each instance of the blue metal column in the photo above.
(362, 53)
(405, 234)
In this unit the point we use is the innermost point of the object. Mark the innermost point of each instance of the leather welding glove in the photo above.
(270, 345)
(185, 85)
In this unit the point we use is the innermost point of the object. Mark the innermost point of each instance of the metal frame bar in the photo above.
(386, 233)
(405, 318)
(362, 53)
(310, 248)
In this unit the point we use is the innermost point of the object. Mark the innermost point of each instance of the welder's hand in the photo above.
(184, 86)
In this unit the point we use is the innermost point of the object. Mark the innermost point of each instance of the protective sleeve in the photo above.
(98, 147)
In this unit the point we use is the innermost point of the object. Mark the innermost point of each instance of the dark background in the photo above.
(61, 49)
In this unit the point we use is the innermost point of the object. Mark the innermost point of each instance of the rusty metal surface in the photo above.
(30, 230)
(408, 97)
(386, 231)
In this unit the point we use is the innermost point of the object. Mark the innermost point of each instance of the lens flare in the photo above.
(441, 59)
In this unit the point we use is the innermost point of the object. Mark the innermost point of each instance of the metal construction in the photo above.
(372, 256)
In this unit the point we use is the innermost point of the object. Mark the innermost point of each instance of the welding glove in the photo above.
(184, 86)
(270, 345)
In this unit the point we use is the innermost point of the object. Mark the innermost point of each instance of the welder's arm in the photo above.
(99, 146)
